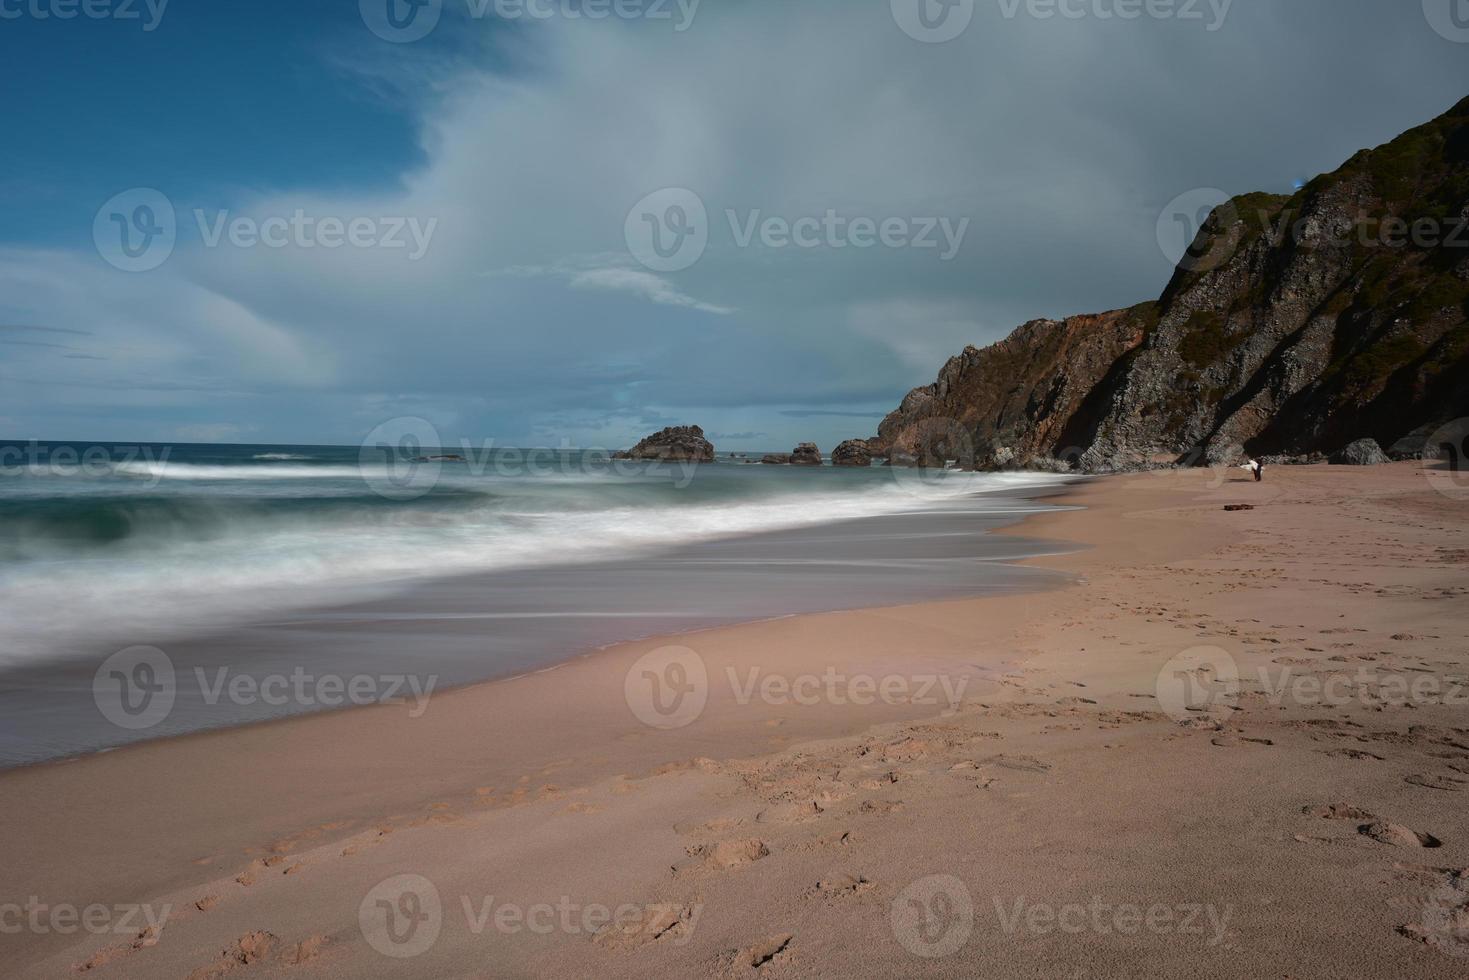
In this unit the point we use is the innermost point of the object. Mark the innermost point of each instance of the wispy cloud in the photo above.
(651, 287)
(34, 328)
(613, 273)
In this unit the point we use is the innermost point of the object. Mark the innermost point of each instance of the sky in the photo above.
(573, 222)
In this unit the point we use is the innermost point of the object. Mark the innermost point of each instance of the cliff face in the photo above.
(1294, 325)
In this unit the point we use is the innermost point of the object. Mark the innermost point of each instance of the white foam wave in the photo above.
(190, 584)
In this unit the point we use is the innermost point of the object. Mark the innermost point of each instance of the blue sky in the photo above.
(498, 172)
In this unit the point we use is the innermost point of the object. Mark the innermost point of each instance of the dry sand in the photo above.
(1237, 746)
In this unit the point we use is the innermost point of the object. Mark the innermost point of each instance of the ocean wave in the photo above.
(124, 564)
(163, 470)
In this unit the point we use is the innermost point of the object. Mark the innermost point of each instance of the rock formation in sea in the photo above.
(806, 454)
(853, 452)
(1295, 325)
(682, 443)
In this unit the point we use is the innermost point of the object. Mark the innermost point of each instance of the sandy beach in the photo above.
(1235, 745)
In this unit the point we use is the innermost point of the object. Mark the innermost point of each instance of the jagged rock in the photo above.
(1278, 335)
(682, 443)
(777, 459)
(853, 452)
(1363, 452)
(806, 454)
(1045, 464)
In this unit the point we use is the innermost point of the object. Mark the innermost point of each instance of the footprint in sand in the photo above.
(658, 923)
(1019, 763)
(880, 806)
(258, 867)
(724, 856)
(1397, 835)
(785, 813)
(1229, 739)
(1449, 784)
(148, 937)
(249, 948)
(762, 954)
(1338, 811)
(840, 886)
(1444, 920)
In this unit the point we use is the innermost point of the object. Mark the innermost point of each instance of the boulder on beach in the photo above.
(806, 454)
(777, 459)
(1415, 445)
(853, 452)
(680, 443)
(1363, 452)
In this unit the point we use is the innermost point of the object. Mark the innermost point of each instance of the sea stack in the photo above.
(676, 444)
(853, 452)
(806, 454)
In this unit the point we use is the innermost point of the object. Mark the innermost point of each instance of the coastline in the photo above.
(1058, 681)
(417, 639)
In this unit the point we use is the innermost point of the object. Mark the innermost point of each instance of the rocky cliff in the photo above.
(1294, 325)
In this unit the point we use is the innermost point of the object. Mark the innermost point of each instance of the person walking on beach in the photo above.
(1257, 466)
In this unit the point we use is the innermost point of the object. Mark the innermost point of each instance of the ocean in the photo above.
(282, 559)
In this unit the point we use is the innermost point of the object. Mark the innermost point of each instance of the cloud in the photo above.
(31, 328)
(616, 274)
(537, 143)
(651, 287)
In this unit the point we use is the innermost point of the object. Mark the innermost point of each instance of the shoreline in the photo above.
(429, 637)
(1155, 541)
